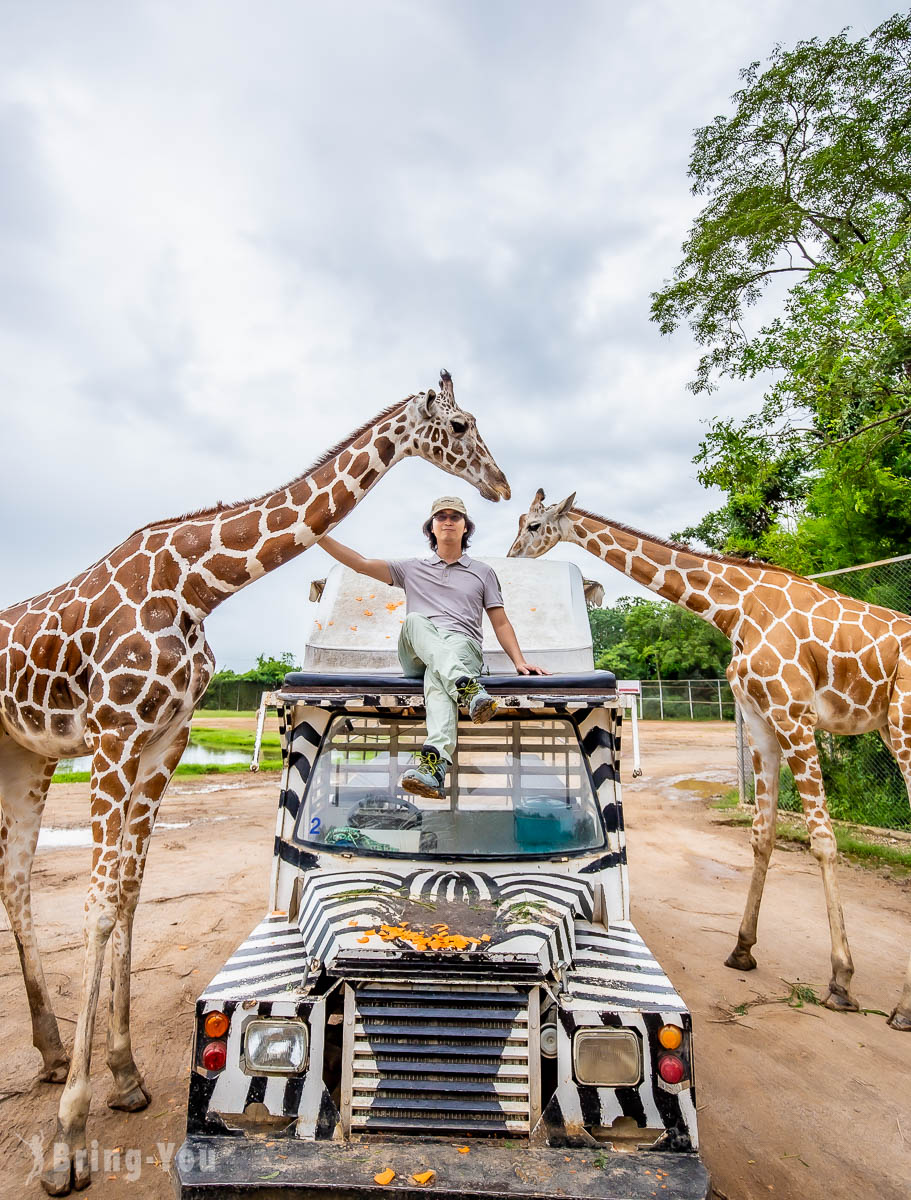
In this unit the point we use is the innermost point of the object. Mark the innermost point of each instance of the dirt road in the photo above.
(795, 1103)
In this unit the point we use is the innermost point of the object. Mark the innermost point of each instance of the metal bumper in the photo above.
(281, 1169)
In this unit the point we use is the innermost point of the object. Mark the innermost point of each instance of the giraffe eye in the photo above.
(458, 426)
(533, 528)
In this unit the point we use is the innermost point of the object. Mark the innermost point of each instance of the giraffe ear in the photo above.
(567, 504)
(539, 498)
(426, 404)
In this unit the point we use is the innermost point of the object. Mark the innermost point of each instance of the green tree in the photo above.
(269, 671)
(607, 624)
(808, 183)
(657, 639)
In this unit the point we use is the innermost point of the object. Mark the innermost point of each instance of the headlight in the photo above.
(275, 1047)
(607, 1057)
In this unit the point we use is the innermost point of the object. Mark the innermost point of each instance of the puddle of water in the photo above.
(207, 787)
(707, 788)
(712, 867)
(81, 836)
(192, 754)
(64, 839)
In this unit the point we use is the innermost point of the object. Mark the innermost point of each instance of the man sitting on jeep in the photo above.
(441, 637)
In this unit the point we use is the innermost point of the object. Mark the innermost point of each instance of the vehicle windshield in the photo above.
(517, 788)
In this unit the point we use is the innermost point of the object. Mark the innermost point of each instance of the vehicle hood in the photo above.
(515, 924)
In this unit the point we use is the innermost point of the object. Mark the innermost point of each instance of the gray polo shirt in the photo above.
(453, 595)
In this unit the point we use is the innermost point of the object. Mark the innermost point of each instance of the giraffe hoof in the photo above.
(131, 1099)
(82, 1177)
(58, 1179)
(840, 1001)
(900, 1021)
(740, 960)
(55, 1072)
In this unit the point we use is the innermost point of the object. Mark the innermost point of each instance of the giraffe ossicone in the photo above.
(113, 662)
(805, 657)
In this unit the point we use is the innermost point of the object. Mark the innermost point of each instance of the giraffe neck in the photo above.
(215, 554)
(711, 589)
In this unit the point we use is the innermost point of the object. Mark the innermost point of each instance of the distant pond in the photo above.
(192, 754)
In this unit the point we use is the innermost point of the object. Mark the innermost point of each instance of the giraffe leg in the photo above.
(898, 738)
(766, 754)
(113, 774)
(156, 768)
(801, 756)
(24, 780)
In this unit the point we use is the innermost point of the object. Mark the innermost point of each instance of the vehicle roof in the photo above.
(358, 620)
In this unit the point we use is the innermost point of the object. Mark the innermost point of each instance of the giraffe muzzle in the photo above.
(498, 490)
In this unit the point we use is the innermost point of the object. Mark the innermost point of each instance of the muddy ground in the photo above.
(797, 1103)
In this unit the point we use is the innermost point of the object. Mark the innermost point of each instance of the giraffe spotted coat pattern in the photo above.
(804, 658)
(113, 663)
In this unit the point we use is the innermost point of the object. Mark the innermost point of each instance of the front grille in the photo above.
(427, 969)
(444, 1061)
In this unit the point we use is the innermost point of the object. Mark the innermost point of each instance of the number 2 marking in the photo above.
(315, 826)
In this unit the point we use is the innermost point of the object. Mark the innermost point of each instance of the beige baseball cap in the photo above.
(451, 502)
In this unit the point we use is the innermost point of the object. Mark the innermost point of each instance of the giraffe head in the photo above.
(542, 527)
(448, 437)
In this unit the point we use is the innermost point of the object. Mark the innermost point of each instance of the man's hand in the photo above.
(527, 668)
(506, 636)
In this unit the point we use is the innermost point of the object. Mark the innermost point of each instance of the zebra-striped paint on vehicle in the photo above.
(334, 915)
(615, 981)
(573, 942)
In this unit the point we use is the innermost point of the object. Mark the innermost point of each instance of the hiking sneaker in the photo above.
(480, 704)
(427, 776)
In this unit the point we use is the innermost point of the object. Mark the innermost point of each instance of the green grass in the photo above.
(730, 799)
(248, 714)
(231, 739)
(268, 764)
(850, 842)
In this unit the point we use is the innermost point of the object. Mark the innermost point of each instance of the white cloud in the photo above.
(229, 234)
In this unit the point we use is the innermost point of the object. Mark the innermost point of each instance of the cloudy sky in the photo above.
(232, 232)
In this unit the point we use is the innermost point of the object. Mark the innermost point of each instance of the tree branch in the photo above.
(807, 256)
(904, 412)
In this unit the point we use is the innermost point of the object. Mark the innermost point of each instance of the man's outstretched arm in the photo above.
(506, 636)
(376, 568)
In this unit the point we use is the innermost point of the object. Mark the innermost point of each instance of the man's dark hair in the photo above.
(432, 537)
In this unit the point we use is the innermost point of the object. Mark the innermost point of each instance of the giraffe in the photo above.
(114, 662)
(804, 657)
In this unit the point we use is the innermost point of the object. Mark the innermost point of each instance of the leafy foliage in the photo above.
(268, 671)
(649, 639)
(807, 184)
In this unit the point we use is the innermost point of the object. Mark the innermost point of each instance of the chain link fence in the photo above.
(862, 781)
(236, 695)
(686, 700)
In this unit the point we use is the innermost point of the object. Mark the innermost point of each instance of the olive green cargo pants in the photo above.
(442, 657)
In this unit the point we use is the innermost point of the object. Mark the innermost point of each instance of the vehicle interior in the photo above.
(517, 786)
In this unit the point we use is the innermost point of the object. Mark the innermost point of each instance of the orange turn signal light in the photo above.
(670, 1036)
(216, 1024)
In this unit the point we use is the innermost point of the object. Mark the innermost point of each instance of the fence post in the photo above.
(720, 708)
(738, 725)
(689, 692)
(661, 699)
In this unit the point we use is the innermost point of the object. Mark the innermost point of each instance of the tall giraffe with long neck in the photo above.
(113, 663)
(804, 658)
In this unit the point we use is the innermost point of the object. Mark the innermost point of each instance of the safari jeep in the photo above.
(447, 995)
